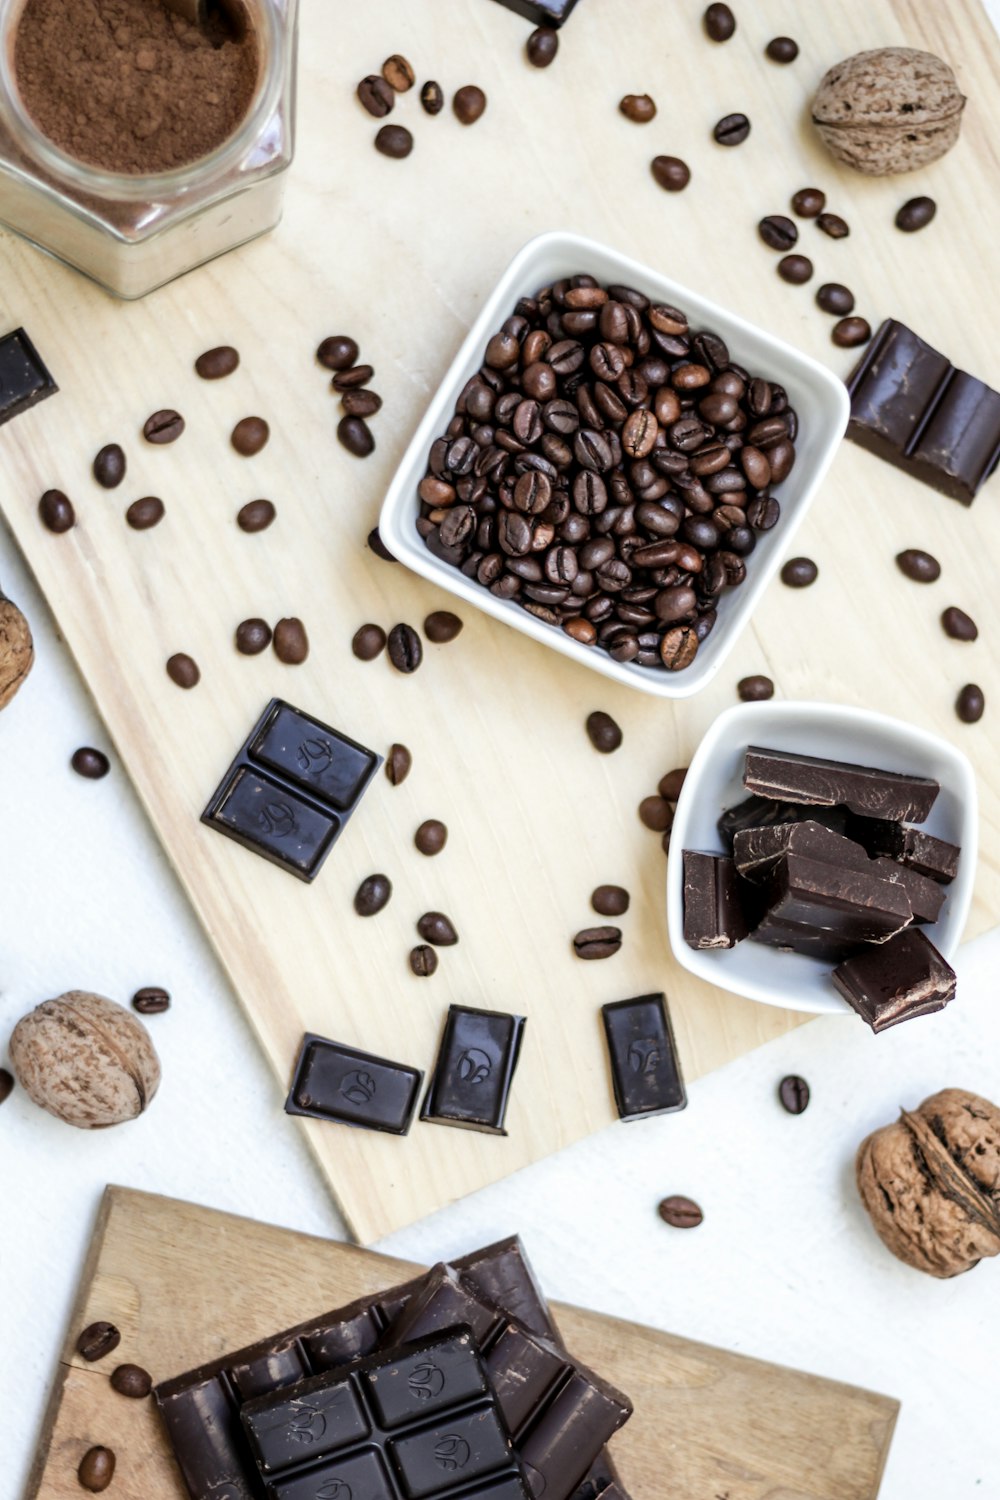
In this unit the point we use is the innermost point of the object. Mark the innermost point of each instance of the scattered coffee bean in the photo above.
(833, 225)
(56, 511)
(372, 895)
(216, 364)
(97, 1469)
(291, 644)
(782, 49)
(970, 704)
(469, 104)
(920, 566)
(376, 95)
(423, 961)
(398, 73)
(680, 1212)
(361, 403)
(349, 380)
(431, 837)
(256, 515)
(720, 23)
(252, 636)
(799, 572)
(850, 332)
(249, 436)
(90, 763)
(132, 1381)
(670, 785)
(441, 626)
(793, 1092)
(398, 764)
(434, 927)
(777, 232)
(377, 545)
(639, 108)
(163, 427)
(834, 298)
(406, 650)
(597, 942)
(916, 213)
(432, 97)
(146, 513)
(354, 434)
(151, 1001)
(97, 1340)
(610, 900)
(602, 731)
(395, 141)
(797, 269)
(672, 174)
(732, 130)
(957, 624)
(6, 1084)
(109, 466)
(755, 689)
(656, 814)
(808, 202)
(338, 352)
(369, 642)
(183, 670)
(542, 46)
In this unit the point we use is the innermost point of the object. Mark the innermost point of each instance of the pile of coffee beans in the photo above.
(351, 382)
(378, 93)
(405, 648)
(656, 812)
(609, 469)
(923, 567)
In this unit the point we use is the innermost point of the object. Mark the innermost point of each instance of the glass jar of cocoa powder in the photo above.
(96, 131)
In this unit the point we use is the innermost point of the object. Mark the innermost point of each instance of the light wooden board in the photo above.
(186, 1284)
(401, 254)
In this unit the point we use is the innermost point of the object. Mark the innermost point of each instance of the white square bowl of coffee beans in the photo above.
(614, 465)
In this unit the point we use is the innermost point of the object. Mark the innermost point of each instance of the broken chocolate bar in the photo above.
(470, 1086)
(904, 978)
(831, 783)
(338, 1083)
(645, 1072)
(926, 897)
(828, 911)
(541, 12)
(713, 909)
(922, 852)
(764, 812)
(24, 379)
(756, 851)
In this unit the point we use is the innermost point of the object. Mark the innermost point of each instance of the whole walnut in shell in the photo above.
(17, 653)
(891, 110)
(931, 1183)
(86, 1060)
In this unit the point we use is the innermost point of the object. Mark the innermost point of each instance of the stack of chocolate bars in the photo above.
(824, 861)
(455, 1385)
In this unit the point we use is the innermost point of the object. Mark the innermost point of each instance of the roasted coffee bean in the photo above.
(441, 626)
(970, 704)
(6, 1084)
(542, 46)
(469, 104)
(656, 814)
(610, 900)
(216, 364)
(376, 95)
(793, 1092)
(398, 764)
(782, 49)
(361, 403)
(732, 130)
(132, 1381)
(581, 630)
(406, 651)
(834, 298)
(833, 225)
(639, 433)
(423, 961)
(89, 763)
(957, 624)
(290, 642)
(639, 108)
(109, 466)
(777, 232)
(670, 784)
(799, 572)
(256, 515)
(377, 545)
(796, 269)
(850, 332)
(183, 670)
(602, 731)
(680, 1212)
(394, 141)
(720, 23)
(56, 511)
(96, 1470)
(350, 379)
(678, 648)
(808, 202)
(368, 642)
(597, 942)
(97, 1340)
(252, 636)
(145, 513)
(921, 567)
(671, 173)
(431, 837)
(755, 689)
(432, 97)
(398, 73)
(354, 434)
(338, 352)
(435, 928)
(151, 1000)
(249, 436)
(163, 427)
(372, 895)
(916, 213)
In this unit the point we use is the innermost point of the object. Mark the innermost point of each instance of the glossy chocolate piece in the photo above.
(713, 907)
(541, 12)
(926, 897)
(291, 789)
(828, 911)
(645, 1071)
(470, 1085)
(910, 406)
(757, 851)
(24, 378)
(333, 1082)
(904, 978)
(832, 783)
(920, 851)
(764, 812)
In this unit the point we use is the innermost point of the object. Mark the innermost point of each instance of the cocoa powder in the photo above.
(129, 86)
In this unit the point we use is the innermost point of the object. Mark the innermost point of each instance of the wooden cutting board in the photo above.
(186, 1284)
(401, 254)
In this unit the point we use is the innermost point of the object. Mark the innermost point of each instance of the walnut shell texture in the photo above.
(86, 1060)
(931, 1183)
(891, 110)
(17, 652)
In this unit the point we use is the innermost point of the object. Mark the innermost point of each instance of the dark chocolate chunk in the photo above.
(926, 897)
(896, 981)
(645, 1070)
(333, 1082)
(831, 783)
(24, 380)
(470, 1085)
(764, 812)
(827, 911)
(713, 909)
(541, 12)
(757, 851)
(935, 858)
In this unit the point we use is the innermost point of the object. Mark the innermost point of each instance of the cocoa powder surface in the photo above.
(128, 86)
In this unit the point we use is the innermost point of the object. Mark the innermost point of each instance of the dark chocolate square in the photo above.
(470, 1085)
(333, 1082)
(645, 1070)
(24, 378)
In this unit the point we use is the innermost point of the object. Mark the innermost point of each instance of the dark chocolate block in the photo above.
(541, 12)
(291, 789)
(24, 379)
(828, 911)
(757, 851)
(926, 897)
(935, 858)
(904, 978)
(910, 406)
(833, 783)
(333, 1082)
(713, 910)
(645, 1071)
(764, 812)
(470, 1085)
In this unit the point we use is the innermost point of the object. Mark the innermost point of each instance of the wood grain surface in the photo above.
(186, 1284)
(401, 255)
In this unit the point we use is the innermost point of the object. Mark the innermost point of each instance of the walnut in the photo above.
(17, 652)
(86, 1060)
(931, 1183)
(890, 110)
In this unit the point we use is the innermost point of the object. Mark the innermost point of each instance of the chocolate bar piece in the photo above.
(828, 910)
(926, 897)
(757, 851)
(541, 12)
(291, 789)
(24, 379)
(645, 1071)
(713, 909)
(470, 1085)
(903, 978)
(935, 858)
(831, 783)
(333, 1082)
(764, 812)
(910, 406)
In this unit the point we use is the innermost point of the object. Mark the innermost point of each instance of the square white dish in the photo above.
(715, 781)
(818, 396)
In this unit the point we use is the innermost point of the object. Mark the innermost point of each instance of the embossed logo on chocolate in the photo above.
(426, 1381)
(314, 754)
(307, 1426)
(452, 1452)
(644, 1056)
(474, 1065)
(276, 819)
(334, 1489)
(358, 1087)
